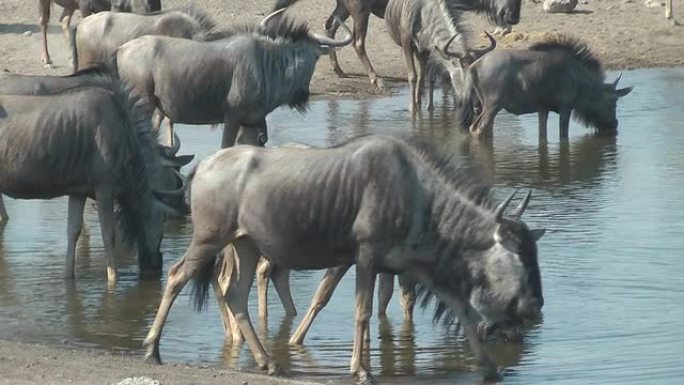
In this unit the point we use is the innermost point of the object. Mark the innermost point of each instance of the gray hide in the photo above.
(360, 11)
(92, 142)
(96, 39)
(136, 6)
(374, 202)
(429, 29)
(560, 74)
(235, 81)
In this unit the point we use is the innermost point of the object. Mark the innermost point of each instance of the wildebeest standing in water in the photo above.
(374, 202)
(235, 81)
(426, 27)
(97, 37)
(87, 7)
(92, 142)
(360, 11)
(559, 74)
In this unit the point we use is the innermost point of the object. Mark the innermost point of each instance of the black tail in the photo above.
(74, 49)
(202, 280)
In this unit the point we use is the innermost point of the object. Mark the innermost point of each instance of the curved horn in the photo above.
(270, 16)
(176, 144)
(523, 205)
(448, 52)
(478, 53)
(180, 190)
(324, 40)
(498, 213)
(615, 83)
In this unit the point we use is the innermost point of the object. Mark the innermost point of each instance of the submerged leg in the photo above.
(360, 31)
(543, 118)
(407, 288)
(281, 281)
(331, 26)
(221, 283)
(365, 282)
(564, 122)
(320, 299)
(485, 125)
(179, 274)
(238, 294)
(105, 211)
(433, 79)
(459, 308)
(3, 213)
(385, 291)
(74, 225)
(422, 68)
(412, 76)
(43, 18)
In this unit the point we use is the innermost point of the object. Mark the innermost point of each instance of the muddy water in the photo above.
(611, 261)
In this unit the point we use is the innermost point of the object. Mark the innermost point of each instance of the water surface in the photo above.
(611, 261)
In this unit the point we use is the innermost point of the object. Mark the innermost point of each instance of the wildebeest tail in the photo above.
(74, 49)
(465, 109)
(201, 280)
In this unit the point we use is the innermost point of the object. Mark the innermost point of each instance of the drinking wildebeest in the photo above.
(374, 202)
(559, 74)
(422, 27)
(96, 39)
(92, 142)
(87, 7)
(360, 11)
(237, 81)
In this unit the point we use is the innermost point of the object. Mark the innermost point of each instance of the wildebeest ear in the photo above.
(183, 159)
(537, 234)
(623, 91)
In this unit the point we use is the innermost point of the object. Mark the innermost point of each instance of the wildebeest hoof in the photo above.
(378, 83)
(153, 358)
(365, 378)
(491, 374)
(275, 369)
(48, 65)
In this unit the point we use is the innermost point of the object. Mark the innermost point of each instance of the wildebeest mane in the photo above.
(577, 48)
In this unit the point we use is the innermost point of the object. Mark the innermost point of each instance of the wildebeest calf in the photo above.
(559, 74)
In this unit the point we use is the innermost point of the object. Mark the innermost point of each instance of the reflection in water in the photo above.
(611, 264)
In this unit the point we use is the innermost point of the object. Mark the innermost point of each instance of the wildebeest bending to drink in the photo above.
(559, 74)
(236, 81)
(92, 142)
(376, 202)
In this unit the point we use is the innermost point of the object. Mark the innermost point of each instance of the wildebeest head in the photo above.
(460, 61)
(502, 12)
(507, 291)
(600, 112)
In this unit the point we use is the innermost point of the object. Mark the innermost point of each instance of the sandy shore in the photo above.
(23, 364)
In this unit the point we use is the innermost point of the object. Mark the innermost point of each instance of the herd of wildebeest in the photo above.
(388, 206)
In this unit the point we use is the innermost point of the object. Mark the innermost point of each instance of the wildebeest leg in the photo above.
(365, 282)
(74, 225)
(385, 291)
(43, 19)
(485, 122)
(422, 67)
(221, 283)
(411, 67)
(169, 132)
(433, 79)
(668, 9)
(105, 211)
(281, 281)
(459, 308)
(3, 213)
(325, 289)
(543, 118)
(179, 274)
(230, 132)
(360, 31)
(564, 122)
(264, 268)
(331, 26)
(407, 288)
(238, 294)
(65, 20)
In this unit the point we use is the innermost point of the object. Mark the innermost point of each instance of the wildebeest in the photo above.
(423, 27)
(559, 74)
(92, 142)
(236, 81)
(360, 11)
(377, 202)
(87, 7)
(96, 39)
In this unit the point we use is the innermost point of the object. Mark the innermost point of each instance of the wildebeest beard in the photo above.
(300, 100)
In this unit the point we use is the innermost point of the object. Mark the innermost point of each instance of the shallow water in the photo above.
(611, 260)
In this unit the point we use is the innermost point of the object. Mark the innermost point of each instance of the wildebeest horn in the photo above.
(498, 213)
(270, 16)
(615, 83)
(176, 144)
(477, 53)
(180, 190)
(324, 40)
(451, 53)
(523, 205)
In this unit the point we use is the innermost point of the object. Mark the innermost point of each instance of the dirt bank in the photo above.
(23, 364)
(624, 33)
